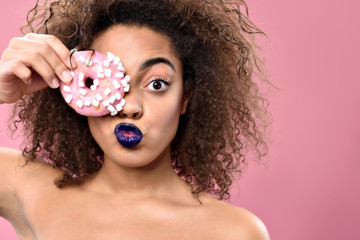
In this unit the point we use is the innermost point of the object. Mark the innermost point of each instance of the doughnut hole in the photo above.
(89, 82)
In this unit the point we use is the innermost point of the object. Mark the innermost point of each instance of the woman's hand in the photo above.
(32, 63)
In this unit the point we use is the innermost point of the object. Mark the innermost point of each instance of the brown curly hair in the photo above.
(214, 40)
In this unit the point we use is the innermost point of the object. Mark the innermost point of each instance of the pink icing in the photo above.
(98, 85)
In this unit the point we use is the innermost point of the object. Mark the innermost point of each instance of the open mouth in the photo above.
(128, 135)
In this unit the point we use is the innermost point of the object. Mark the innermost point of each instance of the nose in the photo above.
(133, 106)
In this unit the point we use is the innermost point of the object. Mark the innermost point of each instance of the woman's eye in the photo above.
(158, 85)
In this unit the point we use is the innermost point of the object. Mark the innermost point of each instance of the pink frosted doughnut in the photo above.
(98, 85)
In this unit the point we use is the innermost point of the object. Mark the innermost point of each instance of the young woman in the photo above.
(192, 96)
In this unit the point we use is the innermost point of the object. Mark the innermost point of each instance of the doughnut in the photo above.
(98, 85)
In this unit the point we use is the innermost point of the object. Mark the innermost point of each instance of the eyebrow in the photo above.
(153, 61)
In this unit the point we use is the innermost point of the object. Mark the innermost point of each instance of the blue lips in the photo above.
(122, 132)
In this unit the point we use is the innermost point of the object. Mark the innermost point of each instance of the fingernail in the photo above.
(55, 83)
(66, 76)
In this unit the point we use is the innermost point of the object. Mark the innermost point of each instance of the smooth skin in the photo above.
(136, 194)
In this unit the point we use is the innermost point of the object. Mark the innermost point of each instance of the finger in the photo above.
(14, 74)
(12, 87)
(60, 49)
(33, 81)
(21, 71)
(11, 66)
(37, 84)
(48, 52)
(34, 60)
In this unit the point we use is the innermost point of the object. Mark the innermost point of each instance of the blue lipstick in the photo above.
(128, 135)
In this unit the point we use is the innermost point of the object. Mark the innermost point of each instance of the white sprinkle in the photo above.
(127, 77)
(96, 82)
(67, 89)
(112, 99)
(81, 83)
(114, 113)
(100, 75)
(123, 101)
(119, 75)
(81, 76)
(119, 107)
(79, 103)
(95, 103)
(108, 73)
(106, 63)
(88, 103)
(116, 84)
(110, 56)
(107, 91)
(72, 73)
(98, 97)
(127, 88)
(88, 62)
(124, 82)
(111, 108)
(117, 96)
(99, 69)
(93, 87)
(68, 98)
(116, 60)
(106, 103)
(121, 68)
(83, 92)
(82, 59)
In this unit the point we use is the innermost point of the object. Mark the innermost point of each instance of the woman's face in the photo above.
(154, 102)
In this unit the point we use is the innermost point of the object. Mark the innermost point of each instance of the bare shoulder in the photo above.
(9, 160)
(247, 225)
(12, 161)
(238, 223)
(17, 177)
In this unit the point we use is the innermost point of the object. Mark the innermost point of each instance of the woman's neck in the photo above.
(156, 179)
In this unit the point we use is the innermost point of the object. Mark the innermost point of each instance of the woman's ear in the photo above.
(187, 94)
(185, 102)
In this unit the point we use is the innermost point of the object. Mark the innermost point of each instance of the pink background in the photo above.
(309, 188)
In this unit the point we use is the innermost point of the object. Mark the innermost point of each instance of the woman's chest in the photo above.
(78, 217)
